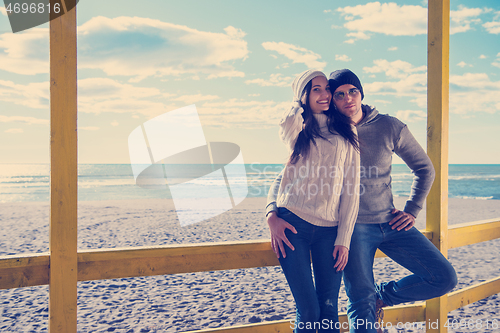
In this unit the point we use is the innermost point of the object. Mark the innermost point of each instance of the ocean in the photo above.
(30, 182)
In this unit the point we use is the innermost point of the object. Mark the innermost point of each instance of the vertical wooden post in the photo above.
(63, 174)
(438, 49)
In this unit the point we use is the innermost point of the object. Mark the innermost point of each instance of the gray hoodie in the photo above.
(380, 137)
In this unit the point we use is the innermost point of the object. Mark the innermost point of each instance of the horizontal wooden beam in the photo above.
(24, 271)
(405, 313)
(399, 314)
(33, 270)
(173, 259)
(474, 293)
(473, 232)
(279, 326)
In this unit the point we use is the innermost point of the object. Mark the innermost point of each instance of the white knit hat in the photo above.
(300, 82)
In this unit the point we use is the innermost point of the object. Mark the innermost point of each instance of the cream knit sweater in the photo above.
(322, 189)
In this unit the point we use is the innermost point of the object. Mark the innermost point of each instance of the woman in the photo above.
(318, 198)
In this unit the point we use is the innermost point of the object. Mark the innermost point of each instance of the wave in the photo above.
(475, 198)
(474, 177)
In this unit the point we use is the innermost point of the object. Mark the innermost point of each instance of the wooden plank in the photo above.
(63, 174)
(24, 271)
(395, 315)
(473, 232)
(281, 326)
(438, 51)
(438, 119)
(132, 262)
(32, 270)
(471, 294)
(405, 313)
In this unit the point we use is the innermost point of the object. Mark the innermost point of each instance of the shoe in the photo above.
(379, 313)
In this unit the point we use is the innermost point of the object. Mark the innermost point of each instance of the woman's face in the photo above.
(320, 96)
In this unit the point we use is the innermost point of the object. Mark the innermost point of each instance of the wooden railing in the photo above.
(63, 266)
(33, 270)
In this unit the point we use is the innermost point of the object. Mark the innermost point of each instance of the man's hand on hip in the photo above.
(402, 220)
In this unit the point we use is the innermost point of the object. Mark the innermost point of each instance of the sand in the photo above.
(184, 302)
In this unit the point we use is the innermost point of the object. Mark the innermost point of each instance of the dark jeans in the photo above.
(433, 275)
(316, 301)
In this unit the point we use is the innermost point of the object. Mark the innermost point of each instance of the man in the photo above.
(379, 223)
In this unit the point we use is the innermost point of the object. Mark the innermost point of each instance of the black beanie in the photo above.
(344, 76)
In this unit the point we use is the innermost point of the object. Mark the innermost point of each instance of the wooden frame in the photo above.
(63, 172)
(62, 267)
(438, 54)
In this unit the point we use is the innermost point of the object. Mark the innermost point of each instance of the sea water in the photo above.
(31, 182)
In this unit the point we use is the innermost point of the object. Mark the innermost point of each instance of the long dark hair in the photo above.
(336, 122)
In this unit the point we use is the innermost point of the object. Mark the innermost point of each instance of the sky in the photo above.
(235, 60)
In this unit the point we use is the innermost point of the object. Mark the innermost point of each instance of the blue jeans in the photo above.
(433, 275)
(316, 302)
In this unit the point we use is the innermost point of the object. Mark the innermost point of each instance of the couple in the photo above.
(312, 209)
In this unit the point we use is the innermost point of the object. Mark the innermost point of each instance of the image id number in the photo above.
(472, 324)
(32, 8)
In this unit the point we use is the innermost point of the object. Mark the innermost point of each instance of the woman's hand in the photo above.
(277, 226)
(341, 253)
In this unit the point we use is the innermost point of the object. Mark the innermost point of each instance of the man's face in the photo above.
(350, 104)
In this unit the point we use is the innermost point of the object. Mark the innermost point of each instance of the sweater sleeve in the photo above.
(349, 198)
(291, 125)
(420, 164)
(272, 196)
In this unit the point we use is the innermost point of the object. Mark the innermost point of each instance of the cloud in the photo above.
(469, 93)
(33, 95)
(474, 92)
(356, 35)
(25, 120)
(235, 112)
(393, 48)
(105, 95)
(342, 57)
(88, 128)
(463, 64)
(411, 116)
(277, 80)
(492, 27)
(134, 47)
(14, 130)
(496, 63)
(382, 101)
(25, 53)
(296, 53)
(482, 56)
(98, 95)
(191, 99)
(394, 69)
(3, 11)
(387, 18)
(461, 19)
(403, 80)
(400, 20)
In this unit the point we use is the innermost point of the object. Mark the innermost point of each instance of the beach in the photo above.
(185, 302)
